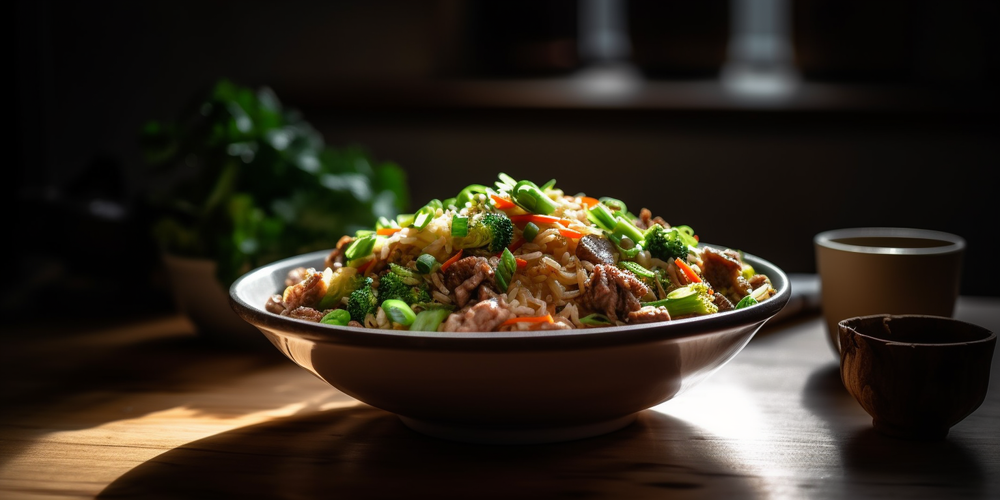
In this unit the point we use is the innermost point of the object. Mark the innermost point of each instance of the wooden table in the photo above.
(146, 410)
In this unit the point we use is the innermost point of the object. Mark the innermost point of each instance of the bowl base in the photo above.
(914, 434)
(515, 435)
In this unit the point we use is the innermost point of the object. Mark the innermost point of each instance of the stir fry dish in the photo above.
(520, 256)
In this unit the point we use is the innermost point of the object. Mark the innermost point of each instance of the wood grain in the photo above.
(146, 410)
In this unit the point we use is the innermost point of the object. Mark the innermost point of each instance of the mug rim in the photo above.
(828, 239)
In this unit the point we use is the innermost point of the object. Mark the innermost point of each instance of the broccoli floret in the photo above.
(690, 300)
(394, 286)
(362, 301)
(490, 230)
(666, 244)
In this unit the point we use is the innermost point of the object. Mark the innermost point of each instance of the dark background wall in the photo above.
(895, 123)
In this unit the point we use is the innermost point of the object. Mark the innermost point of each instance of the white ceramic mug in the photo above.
(886, 270)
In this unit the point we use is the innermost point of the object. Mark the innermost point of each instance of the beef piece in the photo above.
(596, 250)
(722, 302)
(649, 314)
(336, 257)
(758, 281)
(646, 220)
(612, 292)
(484, 316)
(306, 292)
(466, 275)
(724, 271)
(296, 276)
(306, 313)
(274, 304)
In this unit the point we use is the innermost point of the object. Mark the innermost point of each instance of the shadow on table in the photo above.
(99, 380)
(873, 461)
(362, 452)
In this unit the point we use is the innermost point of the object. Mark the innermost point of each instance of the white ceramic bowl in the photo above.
(508, 387)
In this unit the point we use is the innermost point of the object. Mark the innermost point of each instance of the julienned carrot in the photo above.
(588, 201)
(452, 260)
(539, 219)
(571, 234)
(365, 266)
(521, 262)
(386, 231)
(502, 203)
(530, 319)
(688, 272)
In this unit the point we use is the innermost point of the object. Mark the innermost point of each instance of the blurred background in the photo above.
(757, 122)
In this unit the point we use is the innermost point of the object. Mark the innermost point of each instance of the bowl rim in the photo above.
(693, 327)
(828, 239)
(990, 337)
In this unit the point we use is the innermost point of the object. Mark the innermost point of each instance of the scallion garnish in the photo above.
(426, 263)
(459, 226)
(360, 247)
(505, 270)
(530, 231)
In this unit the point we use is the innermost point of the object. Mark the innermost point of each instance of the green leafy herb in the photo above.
(239, 179)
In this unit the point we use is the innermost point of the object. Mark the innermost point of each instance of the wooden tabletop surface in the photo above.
(146, 410)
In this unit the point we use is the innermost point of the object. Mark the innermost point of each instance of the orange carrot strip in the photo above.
(502, 203)
(569, 233)
(688, 272)
(539, 219)
(588, 201)
(452, 260)
(520, 262)
(386, 231)
(531, 319)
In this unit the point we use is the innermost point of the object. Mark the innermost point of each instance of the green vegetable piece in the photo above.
(429, 319)
(548, 185)
(405, 220)
(529, 197)
(666, 244)
(467, 194)
(362, 301)
(405, 274)
(690, 300)
(491, 230)
(459, 226)
(394, 286)
(426, 263)
(399, 312)
(601, 216)
(637, 269)
(505, 270)
(530, 231)
(615, 205)
(360, 247)
(746, 302)
(339, 317)
(624, 227)
(595, 320)
(339, 284)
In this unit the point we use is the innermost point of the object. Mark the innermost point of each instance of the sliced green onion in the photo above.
(602, 217)
(429, 319)
(505, 270)
(615, 204)
(548, 185)
(506, 182)
(746, 302)
(595, 320)
(467, 194)
(426, 213)
(360, 247)
(405, 220)
(459, 226)
(625, 227)
(426, 263)
(531, 198)
(530, 231)
(399, 312)
(339, 317)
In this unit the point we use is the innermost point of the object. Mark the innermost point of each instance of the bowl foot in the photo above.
(515, 435)
(916, 434)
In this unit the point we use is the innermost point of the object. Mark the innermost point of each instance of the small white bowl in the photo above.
(508, 387)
